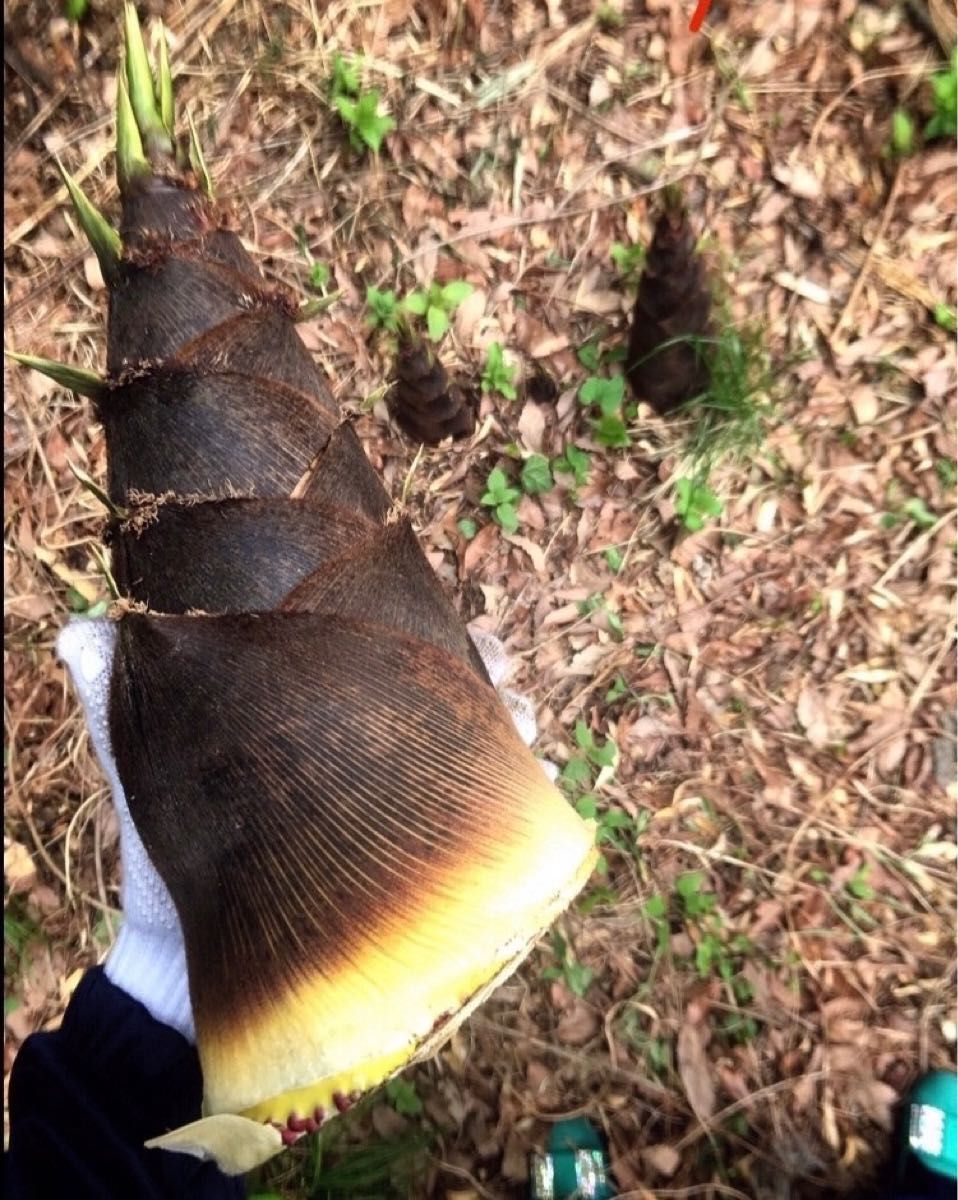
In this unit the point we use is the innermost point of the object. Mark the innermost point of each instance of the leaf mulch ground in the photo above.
(773, 948)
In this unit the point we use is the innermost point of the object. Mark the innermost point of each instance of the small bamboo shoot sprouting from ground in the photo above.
(667, 363)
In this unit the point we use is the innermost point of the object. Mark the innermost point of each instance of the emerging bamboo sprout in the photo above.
(422, 401)
(358, 843)
(667, 361)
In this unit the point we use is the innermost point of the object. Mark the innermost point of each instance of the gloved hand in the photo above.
(148, 959)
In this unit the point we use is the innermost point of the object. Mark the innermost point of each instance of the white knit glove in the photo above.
(148, 959)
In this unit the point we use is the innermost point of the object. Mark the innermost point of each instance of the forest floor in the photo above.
(763, 709)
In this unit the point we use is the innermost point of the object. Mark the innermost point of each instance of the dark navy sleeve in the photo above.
(84, 1098)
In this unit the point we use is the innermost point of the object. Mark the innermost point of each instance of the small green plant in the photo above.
(902, 140)
(358, 110)
(656, 908)
(593, 356)
(694, 901)
(467, 527)
(903, 136)
(498, 375)
(629, 260)
(606, 396)
(575, 462)
(577, 977)
(914, 510)
(318, 276)
(611, 432)
(918, 512)
(589, 768)
(656, 1051)
(19, 930)
(384, 311)
(589, 354)
(437, 304)
(345, 79)
(317, 280)
(390, 312)
(404, 1097)
(944, 88)
(501, 497)
(730, 415)
(80, 605)
(599, 603)
(75, 10)
(614, 827)
(717, 952)
(580, 767)
(739, 1027)
(728, 69)
(945, 317)
(366, 125)
(536, 475)
(858, 886)
(608, 18)
(947, 471)
(695, 503)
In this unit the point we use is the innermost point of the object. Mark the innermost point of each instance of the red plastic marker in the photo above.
(701, 12)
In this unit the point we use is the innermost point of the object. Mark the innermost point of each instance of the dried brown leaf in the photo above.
(695, 1069)
(813, 716)
(663, 1159)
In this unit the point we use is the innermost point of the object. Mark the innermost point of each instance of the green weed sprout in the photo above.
(501, 497)
(358, 109)
(629, 259)
(695, 503)
(384, 310)
(902, 141)
(607, 396)
(944, 86)
(536, 475)
(367, 126)
(498, 375)
(577, 976)
(437, 305)
(574, 461)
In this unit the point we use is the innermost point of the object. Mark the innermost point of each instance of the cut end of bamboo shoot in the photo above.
(411, 986)
(410, 848)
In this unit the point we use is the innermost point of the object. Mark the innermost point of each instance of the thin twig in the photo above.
(867, 261)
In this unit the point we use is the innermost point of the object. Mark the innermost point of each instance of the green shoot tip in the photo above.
(131, 162)
(75, 379)
(164, 83)
(100, 234)
(197, 161)
(139, 78)
(90, 485)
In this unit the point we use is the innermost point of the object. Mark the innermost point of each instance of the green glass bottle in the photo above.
(931, 1123)
(574, 1165)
